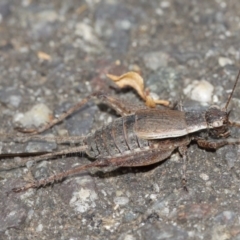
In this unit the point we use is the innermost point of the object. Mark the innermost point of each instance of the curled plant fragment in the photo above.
(134, 80)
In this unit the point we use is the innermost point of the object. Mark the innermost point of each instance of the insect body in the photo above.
(120, 139)
(151, 129)
(141, 137)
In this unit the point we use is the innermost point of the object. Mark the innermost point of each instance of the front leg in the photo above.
(217, 143)
(183, 151)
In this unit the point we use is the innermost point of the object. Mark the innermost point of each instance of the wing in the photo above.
(158, 124)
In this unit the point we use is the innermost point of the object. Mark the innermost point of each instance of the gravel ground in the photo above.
(55, 53)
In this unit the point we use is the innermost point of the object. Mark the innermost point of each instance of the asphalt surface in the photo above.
(57, 53)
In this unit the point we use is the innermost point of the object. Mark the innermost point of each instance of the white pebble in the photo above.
(39, 228)
(87, 33)
(200, 91)
(15, 100)
(129, 237)
(165, 4)
(155, 60)
(222, 61)
(121, 200)
(39, 115)
(204, 176)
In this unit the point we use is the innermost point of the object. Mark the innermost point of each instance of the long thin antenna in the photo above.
(235, 84)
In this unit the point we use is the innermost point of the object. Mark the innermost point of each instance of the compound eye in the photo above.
(218, 124)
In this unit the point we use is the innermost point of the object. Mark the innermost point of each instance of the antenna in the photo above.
(235, 84)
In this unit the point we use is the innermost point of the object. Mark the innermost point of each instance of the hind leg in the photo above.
(119, 106)
(138, 159)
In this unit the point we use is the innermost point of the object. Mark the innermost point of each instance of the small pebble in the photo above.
(129, 237)
(84, 197)
(121, 200)
(38, 146)
(165, 4)
(39, 115)
(226, 217)
(10, 96)
(87, 33)
(200, 91)
(39, 228)
(230, 159)
(222, 61)
(155, 60)
(204, 176)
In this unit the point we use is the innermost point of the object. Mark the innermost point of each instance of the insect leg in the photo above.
(123, 108)
(58, 177)
(9, 165)
(234, 124)
(119, 106)
(183, 152)
(218, 143)
(138, 159)
(56, 139)
(141, 158)
(33, 131)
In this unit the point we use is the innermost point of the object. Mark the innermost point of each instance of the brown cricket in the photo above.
(141, 137)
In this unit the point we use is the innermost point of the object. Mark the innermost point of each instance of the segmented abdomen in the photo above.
(115, 139)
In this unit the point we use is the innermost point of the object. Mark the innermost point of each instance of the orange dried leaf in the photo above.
(150, 102)
(134, 80)
(162, 102)
(130, 79)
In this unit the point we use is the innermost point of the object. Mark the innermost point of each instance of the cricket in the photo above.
(142, 135)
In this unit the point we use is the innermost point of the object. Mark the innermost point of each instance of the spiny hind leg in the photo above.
(55, 139)
(33, 131)
(139, 159)
(119, 106)
(59, 177)
(7, 165)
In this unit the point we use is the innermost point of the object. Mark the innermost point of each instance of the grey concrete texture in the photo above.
(57, 53)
